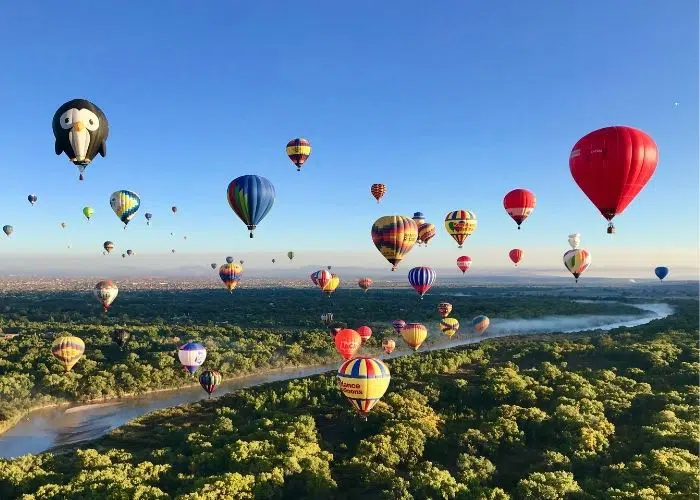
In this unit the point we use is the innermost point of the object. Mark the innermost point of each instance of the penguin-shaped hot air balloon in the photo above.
(80, 129)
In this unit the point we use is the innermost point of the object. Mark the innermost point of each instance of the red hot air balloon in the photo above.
(365, 283)
(347, 342)
(611, 166)
(519, 203)
(365, 333)
(515, 255)
(464, 263)
(378, 190)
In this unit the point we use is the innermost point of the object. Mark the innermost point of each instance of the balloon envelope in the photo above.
(365, 333)
(661, 272)
(421, 279)
(105, 292)
(460, 224)
(251, 198)
(230, 275)
(449, 326)
(516, 255)
(125, 204)
(347, 342)
(574, 240)
(464, 263)
(68, 350)
(299, 150)
(192, 355)
(210, 380)
(363, 381)
(378, 190)
(444, 309)
(481, 323)
(519, 203)
(394, 236)
(388, 345)
(398, 325)
(414, 334)
(577, 261)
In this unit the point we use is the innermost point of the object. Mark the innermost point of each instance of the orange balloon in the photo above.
(347, 342)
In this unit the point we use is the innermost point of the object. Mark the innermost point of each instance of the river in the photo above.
(44, 429)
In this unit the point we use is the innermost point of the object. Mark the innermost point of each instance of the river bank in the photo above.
(46, 428)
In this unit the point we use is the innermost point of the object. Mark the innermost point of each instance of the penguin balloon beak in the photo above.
(79, 126)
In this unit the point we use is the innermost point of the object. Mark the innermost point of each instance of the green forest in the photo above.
(586, 416)
(246, 332)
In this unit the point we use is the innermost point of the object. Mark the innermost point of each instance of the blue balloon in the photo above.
(251, 197)
(421, 278)
(661, 272)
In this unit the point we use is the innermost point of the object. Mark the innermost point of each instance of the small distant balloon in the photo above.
(174, 209)
(299, 150)
(105, 292)
(229, 260)
(88, 212)
(481, 323)
(378, 190)
(661, 272)
(108, 246)
(32, 198)
(290, 255)
(148, 216)
(125, 204)
(8, 230)
(192, 356)
(213, 265)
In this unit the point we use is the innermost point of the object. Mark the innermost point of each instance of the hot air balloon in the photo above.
(230, 274)
(418, 218)
(394, 236)
(444, 309)
(213, 265)
(123, 256)
(334, 329)
(421, 279)
(8, 230)
(229, 260)
(130, 253)
(298, 151)
(363, 381)
(105, 291)
(80, 129)
(273, 261)
(121, 337)
(321, 278)
(365, 283)
(64, 225)
(574, 240)
(426, 232)
(611, 166)
(460, 224)
(378, 190)
(88, 212)
(251, 197)
(449, 326)
(329, 267)
(661, 272)
(125, 204)
(414, 334)
(331, 285)
(464, 263)
(327, 318)
(68, 350)
(192, 355)
(347, 342)
(398, 325)
(108, 246)
(516, 255)
(577, 261)
(32, 198)
(174, 209)
(241, 262)
(148, 216)
(365, 333)
(210, 380)
(519, 203)
(388, 345)
(172, 251)
(290, 255)
(481, 323)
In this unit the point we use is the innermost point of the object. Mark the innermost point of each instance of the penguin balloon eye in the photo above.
(89, 119)
(68, 118)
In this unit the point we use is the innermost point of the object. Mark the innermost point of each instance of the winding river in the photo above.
(48, 428)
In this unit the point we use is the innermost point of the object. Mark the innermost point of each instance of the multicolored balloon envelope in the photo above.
(347, 342)
(460, 224)
(398, 325)
(125, 204)
(378, 190)
(519, 203)
(230, 274)
(449, 326)
(80, 129)
(210, 380)
(414, 334)
(661, 272)
(611, 166)
(481, 323)
(577, 261)
(464, 263)
(426, 232)
(68, 350)
(421, 279)
(105, 292)
(394, 236)
(388, 345)
(331, 285)
(363, 381)
(192, 355)
(108, 246)
(298, 150)
(444, 309)
(251, 197)
(321, 278)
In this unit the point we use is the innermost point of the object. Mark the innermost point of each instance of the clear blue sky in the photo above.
(451, 104)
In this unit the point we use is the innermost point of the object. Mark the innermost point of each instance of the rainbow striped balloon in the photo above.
(363, 381)
(230, 274)
(251, 197)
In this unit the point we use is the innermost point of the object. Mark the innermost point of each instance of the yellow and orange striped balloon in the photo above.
(378, 190)
(68, 350)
